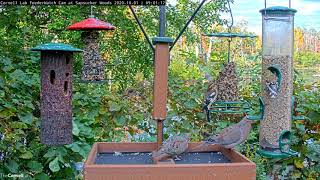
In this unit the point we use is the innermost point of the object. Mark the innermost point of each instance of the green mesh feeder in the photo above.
(225, 104)
(236, 107)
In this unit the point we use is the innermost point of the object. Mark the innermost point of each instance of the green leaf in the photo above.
(301, 127)
(75, 129)
(74, 147)
(54, 165)
(18, 74)
(35, 166)
(18, 125)
(121, 120)
(26, 155)
(114, 107)
(27, 118)
(12, 166)
(298, 163)
(51, 153)
(314, 117)
(42, 176)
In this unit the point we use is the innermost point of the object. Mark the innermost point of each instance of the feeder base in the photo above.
(274, 154)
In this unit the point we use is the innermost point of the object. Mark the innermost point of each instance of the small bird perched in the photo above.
(210, 97)
(172, 147)
(273, 88)
(230, 136)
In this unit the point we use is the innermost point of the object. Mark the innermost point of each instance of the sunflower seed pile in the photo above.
(277, 114)
(227, 83)
(93, 64)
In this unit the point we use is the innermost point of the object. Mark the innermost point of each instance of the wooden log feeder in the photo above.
(277, 81)
(56, 93)
(93, 64)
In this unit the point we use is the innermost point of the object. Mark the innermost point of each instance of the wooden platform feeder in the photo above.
(93, 65)
(134, 163)
(56, 93)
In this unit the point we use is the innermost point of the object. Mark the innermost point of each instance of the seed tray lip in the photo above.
(209, 157)
(128, 147)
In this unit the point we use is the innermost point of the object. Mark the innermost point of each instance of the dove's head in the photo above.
(186, 136)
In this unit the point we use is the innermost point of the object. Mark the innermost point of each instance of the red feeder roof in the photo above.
(91, 24)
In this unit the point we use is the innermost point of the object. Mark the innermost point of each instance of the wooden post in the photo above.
(160, 86)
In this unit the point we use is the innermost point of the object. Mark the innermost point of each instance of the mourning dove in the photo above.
(230, 136)
(173, 147)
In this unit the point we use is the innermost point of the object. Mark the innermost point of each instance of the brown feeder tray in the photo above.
(122, 161)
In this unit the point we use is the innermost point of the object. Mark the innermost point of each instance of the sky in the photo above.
(308, 15)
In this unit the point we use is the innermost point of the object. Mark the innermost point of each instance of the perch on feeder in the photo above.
(56, 93)
(93, 64)
(277, 70)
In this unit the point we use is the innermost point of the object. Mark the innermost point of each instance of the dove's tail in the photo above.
(200, 146)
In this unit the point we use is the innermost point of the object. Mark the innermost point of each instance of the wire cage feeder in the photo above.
(226, 84)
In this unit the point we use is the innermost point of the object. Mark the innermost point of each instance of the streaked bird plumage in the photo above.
(272, 87)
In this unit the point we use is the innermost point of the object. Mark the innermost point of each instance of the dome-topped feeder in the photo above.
(277, 81)
(93, 64)
(56, 92)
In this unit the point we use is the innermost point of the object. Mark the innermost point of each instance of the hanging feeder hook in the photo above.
(91, 12)
(230, 11)
(229, 30)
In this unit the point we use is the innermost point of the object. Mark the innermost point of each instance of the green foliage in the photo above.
(121, 109)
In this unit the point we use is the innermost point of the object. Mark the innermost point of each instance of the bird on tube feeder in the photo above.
(93, 64)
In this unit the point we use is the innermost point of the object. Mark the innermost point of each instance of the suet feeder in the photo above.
(93, 64)
(277, 81)
(56, 93)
